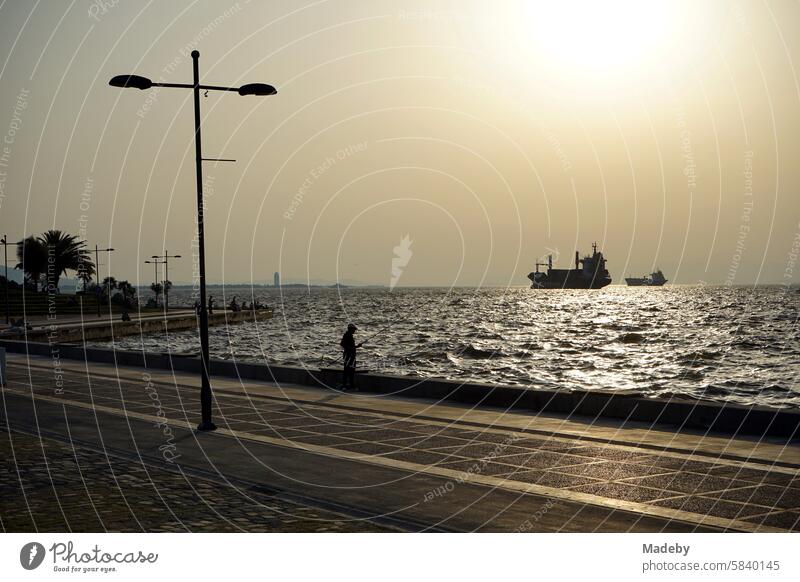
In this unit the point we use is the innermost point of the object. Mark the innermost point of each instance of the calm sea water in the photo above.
(721, 343)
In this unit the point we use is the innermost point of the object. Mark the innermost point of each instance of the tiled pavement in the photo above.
(722, 490)
(53, 486)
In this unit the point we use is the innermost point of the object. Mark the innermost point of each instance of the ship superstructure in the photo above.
(655, 279)
(589, 273)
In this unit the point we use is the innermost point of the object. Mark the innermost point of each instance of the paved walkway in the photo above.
(50, 485)
(395, 463)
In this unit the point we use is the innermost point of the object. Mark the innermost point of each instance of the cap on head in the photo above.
(352, 326)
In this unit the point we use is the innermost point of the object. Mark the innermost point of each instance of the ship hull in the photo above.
(589, 273)
(567, 279)
(636, 282)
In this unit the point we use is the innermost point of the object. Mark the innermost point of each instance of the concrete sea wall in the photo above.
(106, 330)
(682, 413)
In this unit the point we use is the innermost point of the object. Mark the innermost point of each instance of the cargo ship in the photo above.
(589, 273)
(652, 280)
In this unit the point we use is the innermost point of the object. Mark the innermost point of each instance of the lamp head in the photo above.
(259, 89)
(134, 81)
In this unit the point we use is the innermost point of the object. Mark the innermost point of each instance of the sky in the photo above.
(410, 143)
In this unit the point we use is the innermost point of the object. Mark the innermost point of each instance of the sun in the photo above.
(599, 35)
(593, 38)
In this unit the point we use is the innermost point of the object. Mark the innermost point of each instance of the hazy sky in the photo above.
(490, 133)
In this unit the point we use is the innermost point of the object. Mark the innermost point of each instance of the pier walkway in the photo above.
(77, 328)
(90, 447)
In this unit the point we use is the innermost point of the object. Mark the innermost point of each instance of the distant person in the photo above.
(244, 305)
(210, 304)
(349, 346)
(125, 316)
(233, 306)
(196, 307)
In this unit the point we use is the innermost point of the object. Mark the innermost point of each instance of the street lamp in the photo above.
(4, 242)
(166, 256)
(155, 264)
(97, 252)
(260, 89)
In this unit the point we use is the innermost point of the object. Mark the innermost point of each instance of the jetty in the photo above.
(80, 328)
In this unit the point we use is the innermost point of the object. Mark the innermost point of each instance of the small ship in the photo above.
(589, 273)
(652, 280)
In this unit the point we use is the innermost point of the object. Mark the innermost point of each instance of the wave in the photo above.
(631, 338)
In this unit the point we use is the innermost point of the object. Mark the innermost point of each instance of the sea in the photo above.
(721, 343)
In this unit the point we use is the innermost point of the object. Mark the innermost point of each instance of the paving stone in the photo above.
(676, 464)
(549, 478)
(624, 492)
(767, 495)
(283, 434)
(428, 442)
(420, 457)
(325, 440)
(369, 448)
(710, 506)
(484, 450)
(541, 460)
(610, 470)
(788, 520)
(377, 434)
(605, 452)
(753, 475)
(299, 423)
(479, 468)
(686, 482)
(332, 428)
(485, 436)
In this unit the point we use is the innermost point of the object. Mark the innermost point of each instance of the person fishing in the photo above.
(349, 346)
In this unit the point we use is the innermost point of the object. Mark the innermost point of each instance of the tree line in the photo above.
(46, 258)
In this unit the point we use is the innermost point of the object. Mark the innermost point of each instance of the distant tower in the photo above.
(277, 279)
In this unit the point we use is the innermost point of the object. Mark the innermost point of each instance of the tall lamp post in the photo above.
(97, 252)
(260, 89)
(155, 264)
(4, 242)
(166, 256)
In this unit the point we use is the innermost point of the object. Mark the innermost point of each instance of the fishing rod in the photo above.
(376, 334)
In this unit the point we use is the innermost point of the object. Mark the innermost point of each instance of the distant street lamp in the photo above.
(4, 242)
(97, 252)
(155, 264)
(166, 256)
(137, 82)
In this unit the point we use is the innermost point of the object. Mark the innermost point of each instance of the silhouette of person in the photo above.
(125, 316)
(210, 304)
(349, 346)
(233, 306)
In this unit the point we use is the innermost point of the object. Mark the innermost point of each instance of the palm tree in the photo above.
(32, 257)
(156, 288)
(109, 284)
(85, 273)
(64, 252)
(127, 291)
